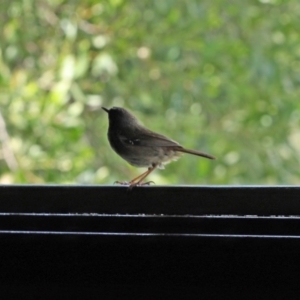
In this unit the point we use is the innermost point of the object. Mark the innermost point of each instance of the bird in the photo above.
(140, 146)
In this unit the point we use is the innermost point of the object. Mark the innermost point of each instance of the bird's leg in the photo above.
(138, 180)
(133, 180)
(138, 177)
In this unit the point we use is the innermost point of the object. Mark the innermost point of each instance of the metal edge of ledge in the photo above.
(157, 200)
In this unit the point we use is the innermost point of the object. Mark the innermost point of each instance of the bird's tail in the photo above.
(195, 152)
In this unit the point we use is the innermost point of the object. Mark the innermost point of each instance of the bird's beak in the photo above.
(105, 109)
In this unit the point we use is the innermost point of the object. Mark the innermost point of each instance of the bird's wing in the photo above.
(152, 139)
(148, 138)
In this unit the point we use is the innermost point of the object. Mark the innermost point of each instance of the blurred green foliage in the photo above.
(219, 76)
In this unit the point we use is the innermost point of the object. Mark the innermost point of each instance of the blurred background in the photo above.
(219, 76)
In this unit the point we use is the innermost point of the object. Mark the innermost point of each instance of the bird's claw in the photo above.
(132, 184)
(122, 182)
(146, 183)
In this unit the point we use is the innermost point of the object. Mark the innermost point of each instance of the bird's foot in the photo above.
(133, 184)
(122, 182)
(141, 183)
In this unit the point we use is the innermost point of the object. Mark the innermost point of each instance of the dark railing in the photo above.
(167, 242)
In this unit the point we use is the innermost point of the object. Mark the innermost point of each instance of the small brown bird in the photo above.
(141, 147)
